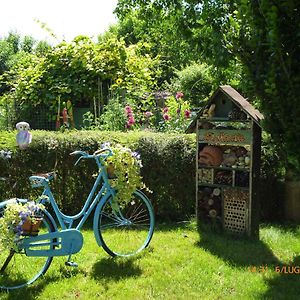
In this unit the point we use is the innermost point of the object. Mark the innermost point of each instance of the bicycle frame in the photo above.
(71, 238)
(101, 196)
(88, 207)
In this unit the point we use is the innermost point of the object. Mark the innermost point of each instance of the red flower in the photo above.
(166, 117)
(187, 114)
(166, 109)
(128, 109)
(179, 95)
(148, 114)
(131, 120)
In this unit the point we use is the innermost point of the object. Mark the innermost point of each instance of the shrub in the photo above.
(168, 167)
(195, 81)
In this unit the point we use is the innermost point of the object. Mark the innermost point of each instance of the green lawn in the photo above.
(180, 263)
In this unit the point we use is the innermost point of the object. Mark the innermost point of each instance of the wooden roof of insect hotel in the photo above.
(225, 98)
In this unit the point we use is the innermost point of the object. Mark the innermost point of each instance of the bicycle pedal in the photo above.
(71, 264)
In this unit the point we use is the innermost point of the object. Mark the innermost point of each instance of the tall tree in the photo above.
(265, 36)
(179, 32)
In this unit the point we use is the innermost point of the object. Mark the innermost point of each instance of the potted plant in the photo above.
(123, 168)
(19, 219)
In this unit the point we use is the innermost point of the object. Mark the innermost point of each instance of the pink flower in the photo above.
(148, 114)
(131, 120)
(179, 95)
(166, 109)
(166, 117)
(178, 110)
(128, 109)
(187, 114)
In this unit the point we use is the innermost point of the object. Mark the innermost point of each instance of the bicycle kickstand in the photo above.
(70, 263)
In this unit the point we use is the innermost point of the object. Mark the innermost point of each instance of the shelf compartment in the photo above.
(213, 185)
(225, 168)
(235, 210)
(217, 177)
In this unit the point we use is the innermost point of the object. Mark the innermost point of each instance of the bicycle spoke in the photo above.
(134, 231)
(135, 209)
(138, 217)
(109, 216)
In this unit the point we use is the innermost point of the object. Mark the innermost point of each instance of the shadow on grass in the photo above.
(69, 272)
(115, 269)
(287, 284)
(30, 292)
(248, 253)
(236, 250)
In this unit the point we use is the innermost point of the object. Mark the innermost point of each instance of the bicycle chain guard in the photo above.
(59, 243)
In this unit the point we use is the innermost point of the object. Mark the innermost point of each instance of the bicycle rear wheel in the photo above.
(18, 270)
(125, 230)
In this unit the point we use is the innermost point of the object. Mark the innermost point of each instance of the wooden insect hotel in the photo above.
(228, 162)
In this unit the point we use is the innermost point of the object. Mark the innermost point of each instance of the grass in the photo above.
(180, 263)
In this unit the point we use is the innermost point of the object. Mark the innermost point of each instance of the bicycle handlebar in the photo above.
(97, 152)
(95, 155)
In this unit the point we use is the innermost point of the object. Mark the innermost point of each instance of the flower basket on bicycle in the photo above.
(110, 169)
(123, 170)
(19, 219)
(31, 226)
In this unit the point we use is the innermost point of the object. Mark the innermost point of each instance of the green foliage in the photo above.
(77, 71)
(124, 166)
(168, 167)
(175, 114)
(138, 75)
(167, 38)
(6, 51)
(144, 114)
(186, 32)
(169, 171)
(113, 117)
(195, 81)
(271, 55)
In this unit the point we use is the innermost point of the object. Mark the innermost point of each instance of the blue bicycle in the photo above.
(122, 229)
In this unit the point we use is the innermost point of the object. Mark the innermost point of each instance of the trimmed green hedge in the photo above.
(168, 167)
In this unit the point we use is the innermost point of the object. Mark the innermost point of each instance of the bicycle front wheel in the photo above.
(125, 230)
(18, 270)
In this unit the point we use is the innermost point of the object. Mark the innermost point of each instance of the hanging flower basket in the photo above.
(31, 226)
(123, 170)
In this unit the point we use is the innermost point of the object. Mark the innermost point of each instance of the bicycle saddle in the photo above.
(49, 175)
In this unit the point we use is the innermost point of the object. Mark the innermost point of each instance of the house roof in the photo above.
(237, 98)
